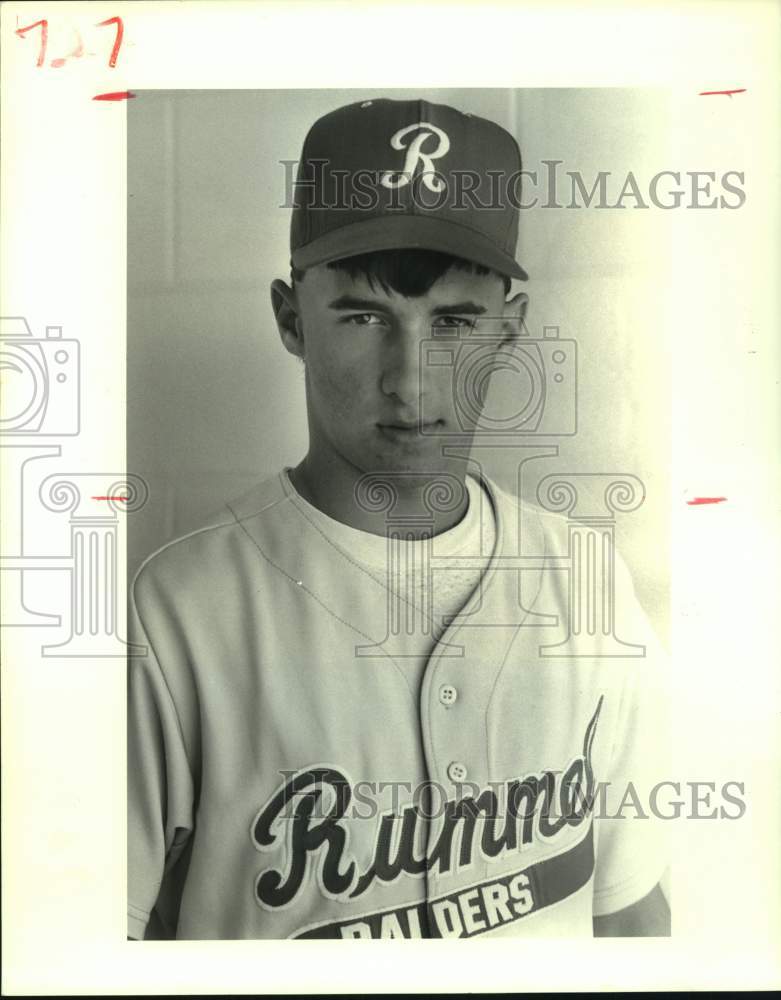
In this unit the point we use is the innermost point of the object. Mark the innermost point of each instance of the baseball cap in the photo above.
(385, 174)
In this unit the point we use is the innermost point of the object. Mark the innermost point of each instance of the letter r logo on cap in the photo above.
(415, 155)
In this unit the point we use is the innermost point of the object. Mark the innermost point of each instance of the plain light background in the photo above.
(214, 403)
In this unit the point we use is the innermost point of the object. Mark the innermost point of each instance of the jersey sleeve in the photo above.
(632, 851)
(159, 778)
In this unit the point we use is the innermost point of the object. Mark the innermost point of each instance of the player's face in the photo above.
(374, 401)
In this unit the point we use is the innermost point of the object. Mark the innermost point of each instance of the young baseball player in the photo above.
(365, 709)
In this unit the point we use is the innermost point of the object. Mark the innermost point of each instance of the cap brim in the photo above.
(407, 232)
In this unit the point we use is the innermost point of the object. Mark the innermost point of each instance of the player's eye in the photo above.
(454, 322)
(363, 319)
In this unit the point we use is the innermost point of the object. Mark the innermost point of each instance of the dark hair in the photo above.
(409, 272)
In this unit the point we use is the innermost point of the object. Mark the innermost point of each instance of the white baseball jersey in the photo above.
(289, 777)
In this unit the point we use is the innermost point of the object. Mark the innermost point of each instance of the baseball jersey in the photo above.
(426, 597)
(290, 777)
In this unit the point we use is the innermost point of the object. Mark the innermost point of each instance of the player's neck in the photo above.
(408, 502)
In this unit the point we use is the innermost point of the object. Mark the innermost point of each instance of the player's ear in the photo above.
(513, 316)
(285, 306)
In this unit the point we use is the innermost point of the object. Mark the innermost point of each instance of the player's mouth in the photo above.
(402, 430)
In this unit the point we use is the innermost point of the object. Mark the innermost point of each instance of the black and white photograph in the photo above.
(385, 694)
(390, 457)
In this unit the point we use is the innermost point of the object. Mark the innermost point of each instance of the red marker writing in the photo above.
(729, 93)
(114, 95)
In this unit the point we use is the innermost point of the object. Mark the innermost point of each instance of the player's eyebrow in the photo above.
(460, 308)
(351, 302)
(371, 305)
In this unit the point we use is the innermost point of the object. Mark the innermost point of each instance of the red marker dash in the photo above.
(729, 93)
(114, 95)
(110, 498)
(700, 500)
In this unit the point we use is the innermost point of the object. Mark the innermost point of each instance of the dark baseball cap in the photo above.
(385, 174)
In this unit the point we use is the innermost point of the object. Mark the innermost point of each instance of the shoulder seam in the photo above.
(176, 541)
(260, 510)
(204, 530)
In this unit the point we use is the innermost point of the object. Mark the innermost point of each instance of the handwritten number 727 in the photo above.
(44, 26)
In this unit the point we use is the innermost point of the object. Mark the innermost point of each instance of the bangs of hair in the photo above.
(408, 272)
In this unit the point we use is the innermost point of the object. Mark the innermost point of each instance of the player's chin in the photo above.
(418, 452)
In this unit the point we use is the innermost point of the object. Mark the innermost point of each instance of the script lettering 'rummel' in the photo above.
(536, 806)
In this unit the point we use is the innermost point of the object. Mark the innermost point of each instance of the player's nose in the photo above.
(403, 373)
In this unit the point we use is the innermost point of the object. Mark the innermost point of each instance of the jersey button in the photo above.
(456, 771)
(448, 695)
